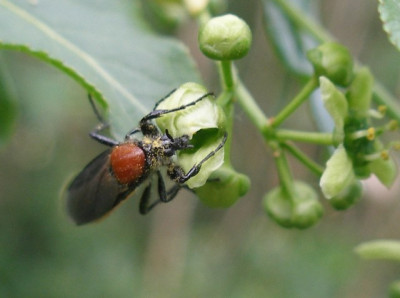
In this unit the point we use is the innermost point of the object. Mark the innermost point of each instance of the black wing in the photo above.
(95, 191)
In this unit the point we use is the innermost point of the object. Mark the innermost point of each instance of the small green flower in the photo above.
(203, 122)
(225, 38)
(359, 152)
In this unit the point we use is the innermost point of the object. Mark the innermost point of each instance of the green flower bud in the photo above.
(225, 38)
(338, 173)
(203, 122)
(333, 61)
(224, 187)
(335, 103)
(348, 197)
(301, 211)
(360, 93)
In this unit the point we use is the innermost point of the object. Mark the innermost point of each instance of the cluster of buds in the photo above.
(359, 151)
(346, 92)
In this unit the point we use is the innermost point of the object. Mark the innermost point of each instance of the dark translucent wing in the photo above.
(94, 192)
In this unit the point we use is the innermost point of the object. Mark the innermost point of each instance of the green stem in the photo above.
(226, 102)
(303, 21)
(227, 74)
(308, 162)
(296, 102)
(250, 107)
(381, 95)
(285, 175)
(319, 138)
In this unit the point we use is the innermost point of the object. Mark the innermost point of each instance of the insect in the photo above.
(114, 174)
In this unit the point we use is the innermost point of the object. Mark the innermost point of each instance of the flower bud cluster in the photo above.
(359, 152)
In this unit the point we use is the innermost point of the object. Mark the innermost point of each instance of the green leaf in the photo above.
(389, 11)
(290, 42)
(105, 46)
(7, 103)
(380, 249)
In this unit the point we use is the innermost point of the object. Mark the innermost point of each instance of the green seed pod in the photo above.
(301, 211)
(203, 122)
(333, 61)
(360, 93)
(348, 197)
(224, 187)
(225, 38)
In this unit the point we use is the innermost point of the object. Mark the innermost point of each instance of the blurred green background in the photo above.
(184, 249)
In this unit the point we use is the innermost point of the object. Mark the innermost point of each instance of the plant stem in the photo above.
(381, 95)
(319, 138)
(250, 107)
(282, 166)
(296, 102)
(308, 162)
(227, 74)
(225, 101)
(303, 21)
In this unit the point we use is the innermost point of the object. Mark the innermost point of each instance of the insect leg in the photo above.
(164, 98)
(131, 133)
(144, 206)
(164, 196)
(95, 133)
(177, 174)
(95, 110)
(158, 113)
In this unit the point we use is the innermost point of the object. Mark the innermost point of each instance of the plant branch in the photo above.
(296, 102)
(308, 162)
(319, 138)
(381, 95)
